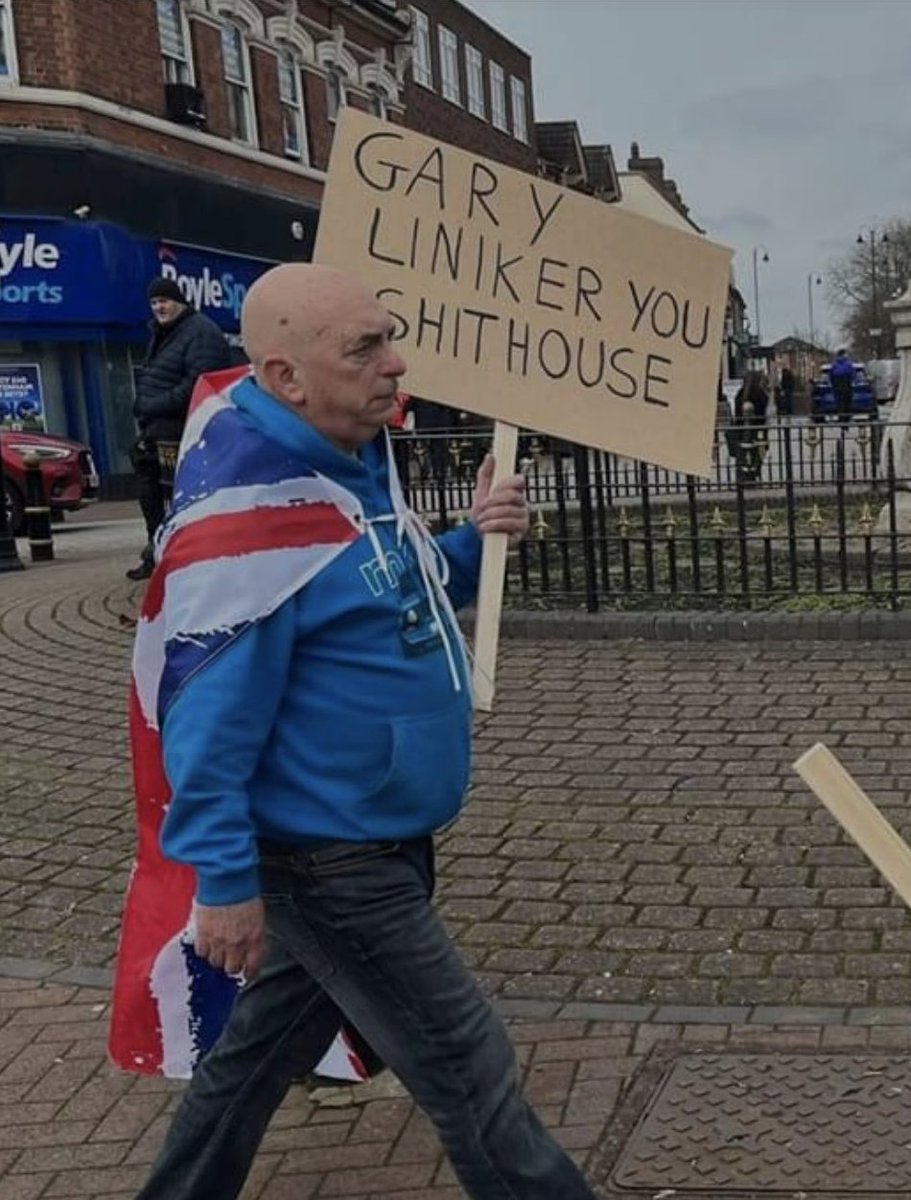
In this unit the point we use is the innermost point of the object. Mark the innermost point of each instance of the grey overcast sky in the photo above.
(786, 123)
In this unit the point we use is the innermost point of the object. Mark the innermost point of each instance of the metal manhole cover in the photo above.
(773, 1124)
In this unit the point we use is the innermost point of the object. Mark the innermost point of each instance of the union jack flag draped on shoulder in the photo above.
(248, 528)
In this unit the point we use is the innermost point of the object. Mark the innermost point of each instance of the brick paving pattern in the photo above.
(638, 863)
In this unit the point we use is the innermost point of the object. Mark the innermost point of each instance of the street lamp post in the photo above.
(871, 239)
(765, 259)
(812, 280)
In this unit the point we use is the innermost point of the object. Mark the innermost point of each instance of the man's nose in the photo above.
(395, 364)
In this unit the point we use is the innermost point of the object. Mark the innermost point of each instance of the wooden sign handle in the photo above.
(493, 575)
(858, 816)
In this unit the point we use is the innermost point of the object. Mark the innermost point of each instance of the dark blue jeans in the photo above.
(352, 931)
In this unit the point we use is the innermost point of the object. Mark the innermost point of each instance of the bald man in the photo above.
(314, 748)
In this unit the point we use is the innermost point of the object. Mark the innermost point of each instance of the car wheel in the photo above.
(15, 509)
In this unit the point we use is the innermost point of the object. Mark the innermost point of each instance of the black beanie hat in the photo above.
(167, 289)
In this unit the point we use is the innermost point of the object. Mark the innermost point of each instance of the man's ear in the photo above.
(281, 379)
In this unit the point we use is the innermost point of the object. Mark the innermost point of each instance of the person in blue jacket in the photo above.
(841, 373)
(312, 759)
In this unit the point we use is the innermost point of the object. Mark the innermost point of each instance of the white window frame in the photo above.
(422, 59)
(498, 97)
(177, 68)
(518, 101)
(292, 103)
(10, 77)
(240, 89)
(474, 81)
(379, 102)
(335, 100)
(450, 86)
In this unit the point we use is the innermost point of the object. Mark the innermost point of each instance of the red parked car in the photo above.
(67, 467)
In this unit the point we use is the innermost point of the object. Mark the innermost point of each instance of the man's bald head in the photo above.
(322, 345)
(294, 304)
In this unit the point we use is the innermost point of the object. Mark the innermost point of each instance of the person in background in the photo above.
(317, 740)
(747, 438)
(184, 344)
(841, 373)
(785, 392)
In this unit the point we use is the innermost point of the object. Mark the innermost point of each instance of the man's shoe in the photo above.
(143, 571)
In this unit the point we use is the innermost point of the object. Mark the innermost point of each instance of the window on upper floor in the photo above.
(174, 39)
(379, 105)
(519, 111)
(449, 65)
(498, 96)
(291, 95)
(422, 64)
(8, 67)
(336, 93)
(236, 59)
(474, 77)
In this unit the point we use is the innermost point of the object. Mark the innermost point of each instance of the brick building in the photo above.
(191, 138)
(185, 137)
(469, 85)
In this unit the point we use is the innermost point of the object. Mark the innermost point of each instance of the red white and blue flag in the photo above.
(247, 530)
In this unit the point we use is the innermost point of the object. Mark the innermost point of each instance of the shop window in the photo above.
(498, 96)
(336, 93)
(474, 77)
(236, 59)
(174, 39)
(422, 64)
(519, 112)
(8, 67)
(449, 65)
(294, 122)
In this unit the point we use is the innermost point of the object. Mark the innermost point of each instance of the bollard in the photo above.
(37, 512)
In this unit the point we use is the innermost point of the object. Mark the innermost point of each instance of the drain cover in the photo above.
(832, 1125)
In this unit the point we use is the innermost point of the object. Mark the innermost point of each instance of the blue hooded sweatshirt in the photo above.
(338, 716)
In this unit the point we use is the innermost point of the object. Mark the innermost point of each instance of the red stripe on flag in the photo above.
(157, 908)
(216, 381)
(231, 535)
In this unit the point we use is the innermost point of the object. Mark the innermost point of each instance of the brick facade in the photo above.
(427, 111)
(109, 50)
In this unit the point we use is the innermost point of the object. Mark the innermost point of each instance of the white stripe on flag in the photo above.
(222, 593)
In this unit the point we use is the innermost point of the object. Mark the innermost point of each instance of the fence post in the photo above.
(37, 512)
(586, 520)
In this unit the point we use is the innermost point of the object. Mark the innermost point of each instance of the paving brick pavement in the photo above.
(638, 861)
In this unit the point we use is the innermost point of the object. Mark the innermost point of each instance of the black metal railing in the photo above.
(795, 514)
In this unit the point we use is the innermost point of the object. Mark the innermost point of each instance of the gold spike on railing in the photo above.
(623, 522)
(866, 520)
(718, 521)
(541, 528)
(815, 520)
(765, 521)
(670, 523)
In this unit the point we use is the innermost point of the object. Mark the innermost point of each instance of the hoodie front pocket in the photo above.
(429, 771)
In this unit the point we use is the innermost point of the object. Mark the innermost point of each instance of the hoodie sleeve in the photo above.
(462, 548)
(212, 738)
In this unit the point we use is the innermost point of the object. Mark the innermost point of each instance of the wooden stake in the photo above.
(493, 575)
(858, 816)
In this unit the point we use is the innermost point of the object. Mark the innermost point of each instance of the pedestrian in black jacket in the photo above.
(184, 345)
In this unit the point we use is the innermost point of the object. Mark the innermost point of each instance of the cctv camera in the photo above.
(83, 211)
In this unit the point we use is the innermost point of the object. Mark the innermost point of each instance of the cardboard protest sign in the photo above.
(529, 303)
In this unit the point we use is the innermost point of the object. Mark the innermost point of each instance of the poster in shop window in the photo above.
(21, 396)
